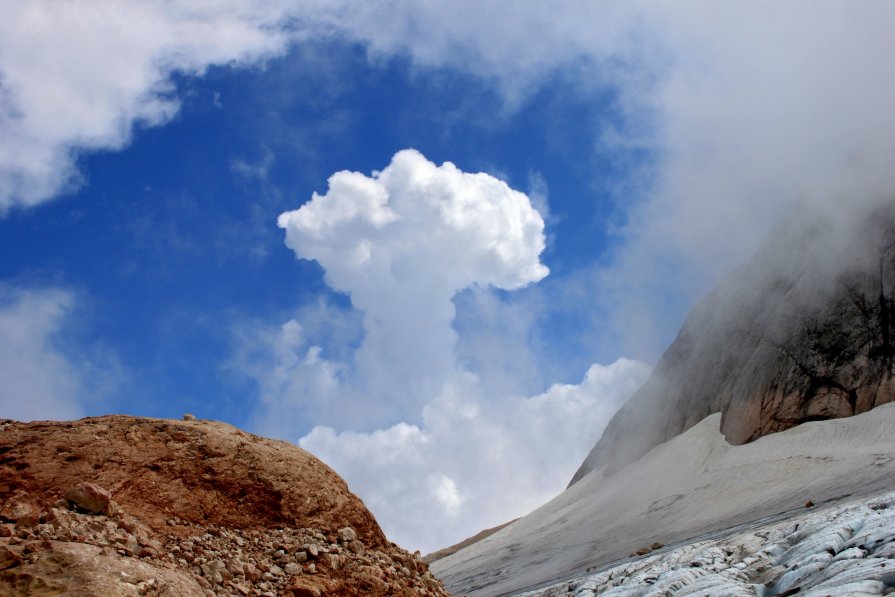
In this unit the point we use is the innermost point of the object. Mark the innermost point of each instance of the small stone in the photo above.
(149, 552)
(213, 571)
(809, 504)
(8, 558)
(235, 567)
(312, 568)
(356, 547)
(89, 497)
(300, 588)
(292, 569)
(189, 417)
(347, 535)
(28, 522)
(301, 556)
(113, 509)
(333, 562)
(252, 573)
(16, 508)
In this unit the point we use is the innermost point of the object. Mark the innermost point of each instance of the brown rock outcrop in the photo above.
(805, 331)
(203, 472)
(132, 506)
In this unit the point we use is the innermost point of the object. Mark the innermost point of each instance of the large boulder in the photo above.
(89, 497)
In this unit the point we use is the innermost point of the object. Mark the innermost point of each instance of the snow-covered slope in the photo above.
(692, 485)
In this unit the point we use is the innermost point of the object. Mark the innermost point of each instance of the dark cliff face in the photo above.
(805, 331)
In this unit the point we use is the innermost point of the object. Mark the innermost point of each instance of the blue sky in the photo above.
(636, 152)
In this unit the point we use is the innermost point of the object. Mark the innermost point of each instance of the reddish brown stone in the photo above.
(89, 497)
(302, 588)
(8, 558)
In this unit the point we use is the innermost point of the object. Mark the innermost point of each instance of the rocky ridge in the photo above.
(114, 506)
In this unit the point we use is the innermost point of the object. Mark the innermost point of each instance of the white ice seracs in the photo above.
(843, 550)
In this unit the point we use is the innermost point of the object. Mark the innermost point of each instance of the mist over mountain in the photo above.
(802, 332)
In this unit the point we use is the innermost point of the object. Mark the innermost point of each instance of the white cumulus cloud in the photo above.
(438, 441)
(476, 460)
(402, 243)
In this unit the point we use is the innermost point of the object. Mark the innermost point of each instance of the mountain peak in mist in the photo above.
(802, 332)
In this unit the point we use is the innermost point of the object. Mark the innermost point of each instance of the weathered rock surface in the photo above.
(131, 506)
(804, 332)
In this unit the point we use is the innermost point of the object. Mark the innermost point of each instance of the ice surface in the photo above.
(814, 561)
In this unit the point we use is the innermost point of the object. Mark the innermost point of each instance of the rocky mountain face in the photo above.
(132, 506)
(805, 331)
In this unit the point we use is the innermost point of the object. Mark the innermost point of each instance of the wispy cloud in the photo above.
(77, 78)
(42, 374)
